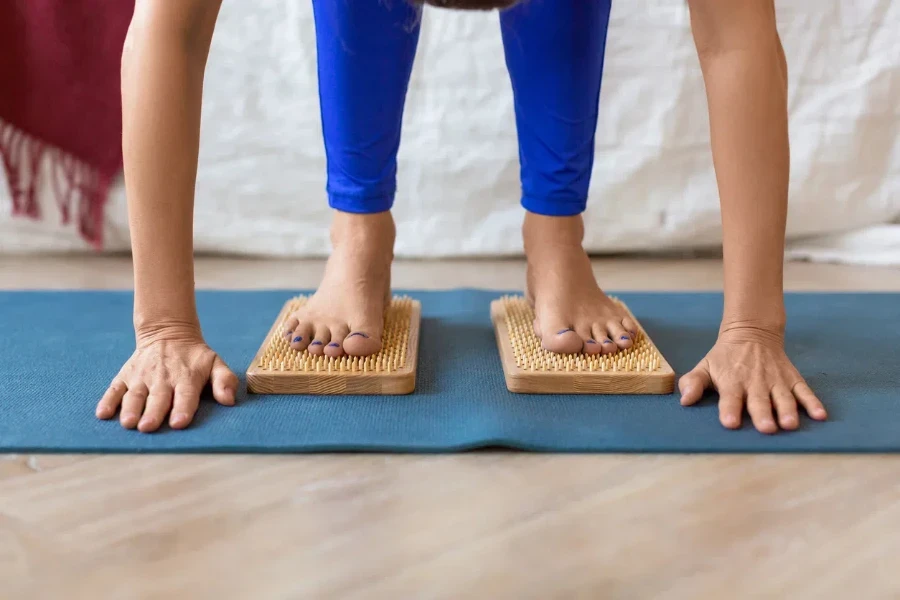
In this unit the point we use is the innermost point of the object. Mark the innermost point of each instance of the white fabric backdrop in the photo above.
(261, 180)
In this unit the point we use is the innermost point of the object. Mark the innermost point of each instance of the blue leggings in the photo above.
(554, 53)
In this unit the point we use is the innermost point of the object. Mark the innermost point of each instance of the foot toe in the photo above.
(288, 328)
(362, 341)
(302, 336)
(320, 340)
(335, 347)
(601, 336)
(619, 335)
(631, 327)
(592, 346)
(562, 340)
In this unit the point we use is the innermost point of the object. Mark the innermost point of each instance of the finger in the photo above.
(759, 405)
(785, 407)
(693, 385)
(159, 402)
(731, 408)
(224, 383)
(111, 400)
(184, 407)
(133, 405)
(806, 397)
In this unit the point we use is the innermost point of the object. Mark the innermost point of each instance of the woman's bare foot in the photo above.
(346, 314)
(572, 314)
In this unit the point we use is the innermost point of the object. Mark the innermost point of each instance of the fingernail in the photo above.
(298, 339)
(316, 343)
(358, 333)
(179, 418)
(129, 416)
(334, 345)
(562, 331)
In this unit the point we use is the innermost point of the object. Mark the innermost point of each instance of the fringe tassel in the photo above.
(72, 182)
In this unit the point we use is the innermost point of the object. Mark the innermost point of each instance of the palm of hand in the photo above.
(753, 370)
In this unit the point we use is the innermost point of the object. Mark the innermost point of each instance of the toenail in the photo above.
(591, 342)
(334, 345)
(358, 333)
(298, 339)
(563, 331)
(624, 338)
(607, 341)
(316, 343)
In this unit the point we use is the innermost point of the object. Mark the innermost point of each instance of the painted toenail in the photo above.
(563, 331)
(358, 333)
(607, 341)
(624, 338)
(316, 343)
(334, 345)
(591, 342)
(298, 339)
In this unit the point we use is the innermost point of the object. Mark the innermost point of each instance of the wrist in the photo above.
(770, 333)
(754, 311)
(170, 327)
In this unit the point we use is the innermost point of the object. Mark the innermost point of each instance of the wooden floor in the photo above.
(483, 525)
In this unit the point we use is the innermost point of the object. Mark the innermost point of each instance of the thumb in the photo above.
(224, 382)
(694, 384)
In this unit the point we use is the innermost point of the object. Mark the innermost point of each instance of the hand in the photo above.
(167, 373)
(750, 366)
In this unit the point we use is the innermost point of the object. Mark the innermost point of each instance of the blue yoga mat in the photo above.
(59, 350)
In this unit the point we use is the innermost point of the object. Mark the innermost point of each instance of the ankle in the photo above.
(358, 230)
(542, 232)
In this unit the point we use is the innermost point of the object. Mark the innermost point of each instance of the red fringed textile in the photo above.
(60, 104)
